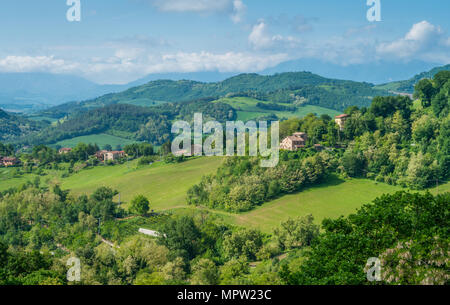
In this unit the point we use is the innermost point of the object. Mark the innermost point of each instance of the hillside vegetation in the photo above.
(407, 86)
(290, 87)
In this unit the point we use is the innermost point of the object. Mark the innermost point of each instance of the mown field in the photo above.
(99, 139)
(247, 109)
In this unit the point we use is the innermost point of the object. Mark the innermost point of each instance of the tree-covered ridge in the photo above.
(283, 87)
(151, 124)
(407, 86)
(12, 125)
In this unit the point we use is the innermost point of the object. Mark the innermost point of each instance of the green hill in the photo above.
(12, 125)
(407, 86)
(290, 87)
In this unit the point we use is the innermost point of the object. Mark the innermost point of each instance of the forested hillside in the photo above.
(303, 87)
(12, 126)
(407, 86)
(129, 121)
(392, 141)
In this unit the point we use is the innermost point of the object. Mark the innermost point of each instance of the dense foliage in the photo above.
(408, 232)
(12, 126)
(240, 184)
(129, 121)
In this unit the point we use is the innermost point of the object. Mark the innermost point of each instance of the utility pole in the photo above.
(99, 221)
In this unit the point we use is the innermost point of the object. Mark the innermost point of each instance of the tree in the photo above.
(424, 90)
(181, 236)
(205, 272)
(173, 272)
(140, 205)
(353, 163)
(299, 232)
(234, 272)
(242, 242)
(441, 78)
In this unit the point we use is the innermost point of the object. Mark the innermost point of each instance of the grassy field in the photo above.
(8, 179)
(247, 109)
(99, 139)
(329, 200)
(164, 184)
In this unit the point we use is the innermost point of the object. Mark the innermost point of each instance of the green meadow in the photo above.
(166, 185)
(99, 139)
(247, 110)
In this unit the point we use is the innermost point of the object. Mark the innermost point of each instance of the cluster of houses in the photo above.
(102, 155)
(298, 139)
(8, 161)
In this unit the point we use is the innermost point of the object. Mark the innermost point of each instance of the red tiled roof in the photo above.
(342, 116)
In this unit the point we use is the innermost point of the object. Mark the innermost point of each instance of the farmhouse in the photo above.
(113, 155)
(340, 120)
(8, 161)
(100, 155)
(65, 150)
(294, 142)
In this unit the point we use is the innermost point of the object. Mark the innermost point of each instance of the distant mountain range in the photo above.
(26, 92)
(31, 92)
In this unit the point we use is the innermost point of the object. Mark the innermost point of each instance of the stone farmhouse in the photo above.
(294, 142)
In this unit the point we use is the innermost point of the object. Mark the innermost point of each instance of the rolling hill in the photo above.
(407, 86)
(12, 125)
(289, 87)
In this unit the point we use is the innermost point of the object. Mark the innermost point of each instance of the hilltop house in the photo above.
(340, 120)
(100, 155)
(8, 161)
(113, 155)
(294, 142)
(65, 150)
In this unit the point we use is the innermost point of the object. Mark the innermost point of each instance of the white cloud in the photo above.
(126, 65)
(15, 63)
(261, 38)
(423, 41)
(236, 8)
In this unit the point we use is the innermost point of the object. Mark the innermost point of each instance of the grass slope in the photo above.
(99, 139)
(329, 200)
(165, 185)
(247, 110)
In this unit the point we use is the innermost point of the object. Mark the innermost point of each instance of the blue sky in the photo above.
(121, 40)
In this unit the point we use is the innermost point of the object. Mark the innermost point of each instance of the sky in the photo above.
(122, 40)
